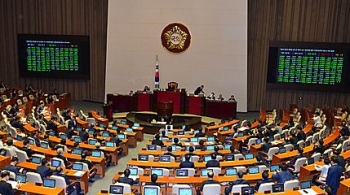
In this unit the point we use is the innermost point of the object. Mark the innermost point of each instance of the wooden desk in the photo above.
(220, 109)
(344, 187)
(222, 135)
(138, 130)
(308, 128)
(4, 136)
(278, 158)
(99, 119)
(308, 171)
(210, 130)
(291, 192)
(69, 172)
(32, 188)
(237, 140)
(30, 129)
(4, 161)
(180, 153)
(82, 123)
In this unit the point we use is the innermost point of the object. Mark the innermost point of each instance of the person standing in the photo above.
(333, 175)
(199, 90)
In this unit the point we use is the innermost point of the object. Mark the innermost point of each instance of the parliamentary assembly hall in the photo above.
(174, 97)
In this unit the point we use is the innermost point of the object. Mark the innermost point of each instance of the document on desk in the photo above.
(79, 173)
(307, 192)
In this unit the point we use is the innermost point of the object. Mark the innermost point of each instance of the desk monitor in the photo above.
(21, 178)
(105, 134)
(19, 138)
(240, 134)
(152, 147)
(164, 158)
(123, 122)
(52, 133)
(92, 141)
(278, 188)
(185, 191)
(226, 129)
(249, 156)
(36, 160)
(231, 171)
(77, 166)
(63, 136)
(204, 172)
(121, 136)
(77, 139)
(102, 125)
(207, 158)
(227, 146)
(181, 132)
(181, 173)
(210, 147)
(310, 161)
(55, 163)
(230, 157)
(158, 172)
(133, 171)
(116, 189)
(211, 139)
(77, 151)
(136, 125)
(150, 191)
(194, 139)
(79, 129)
(307, 143)
(247, 190)
(115, 127)
(305, 185)
(258, 141)
(169, 127)
(110, 144)
(274, 168)
(96, 153)
(91, 131)
(143, 157)
(31, 142)
(50, 183)
(129, 130)
(253, 170)
(44, 145)
(282, 150)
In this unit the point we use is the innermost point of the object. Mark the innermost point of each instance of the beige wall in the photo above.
(216, 58)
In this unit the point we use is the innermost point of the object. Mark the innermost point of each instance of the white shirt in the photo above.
(12, 150)
(323, 169)
(318, 122)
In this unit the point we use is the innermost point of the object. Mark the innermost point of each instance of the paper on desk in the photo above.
(309, 192)
(79, 173)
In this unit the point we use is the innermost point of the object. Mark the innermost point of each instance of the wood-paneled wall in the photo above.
(292, 20)
(64, 17)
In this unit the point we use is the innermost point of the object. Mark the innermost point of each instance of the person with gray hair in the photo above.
(60, 156)
(209, 181)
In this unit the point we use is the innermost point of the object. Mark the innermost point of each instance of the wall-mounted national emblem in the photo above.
(176, 38)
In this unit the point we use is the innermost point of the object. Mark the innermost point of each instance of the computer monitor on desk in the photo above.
(150, 191)
(116, 189)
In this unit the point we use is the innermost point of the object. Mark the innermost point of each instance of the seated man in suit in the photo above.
(239, 181)
(11, 147)
(200, 133)
(290, 164)
(44, 170)
(187, 163)
(6, 188)
(13, 166)
(300, 133)
(84, 136)
(108, 157)
(26, 148)
(201, 145)
(60, 156)
(126, 178)
(191, 151)
(154, 178)
(70, 186)
(209, 181)
(216, 151)
(93, 170)
(233, 150)
(169, 149)
(283, 175)
(213, 162)
(70, 132)
(265, 179)
(157, 141)
(266, 145)
(176, 142)
(72, 123)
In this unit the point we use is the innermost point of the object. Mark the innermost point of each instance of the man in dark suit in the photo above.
(187, 163)
(239, 180)
(26, 148)
(265, 179)
(191, 151)
(84, 136)
(52, 124)
(284, 175)
(333, 175)
(72, 123)
(6, 188)
(13, 165)
(213, 162)
(60, 156)
(176, 142)
(300, 134)
(200, 133)
(44, 170)
(157, 141)
(70, 187)
(92, 170)
(300, 154)
(70, 132)
(126, 178)
(266, 145)
(340, 159)
(209, 181)
(216, 151)
(199, 90)
(169, 149)
(153, 182)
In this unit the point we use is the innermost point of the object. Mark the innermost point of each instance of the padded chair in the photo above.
(19, 102)
(31, 97)
(237, 188)
(316, 137)
(91, 121)
(216, 170)
(289, 147)
(262, 168)
(34, 177)
(309, 138)
(241, 168)
(60, 182)
(239, 156)
(191, 171)
(316, 156)
(12, 131)
(298, 163)
(251, 141)
(175, 189)
(12, 175)
(328, 151)
(22, 155)
(272, 151)
(265, 187)
(211, 189)
(126, 188)
(301, 143)
(346, 145)
(62, 162)
(289, 185)
(195, 158)
(25, 99)
(41, 156)
(173, 84)
(84, 116)
(8, 152)
(277, 136)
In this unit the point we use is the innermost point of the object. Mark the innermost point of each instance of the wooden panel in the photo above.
(64, 17)
(292, 20)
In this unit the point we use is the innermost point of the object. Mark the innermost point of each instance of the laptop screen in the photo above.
(274, 168)
(36, 160)
(91, 131)
(79, 129)
(164, 158)
(116, 189)
(77, 139)
(282, 150)
(77, 151)
(77, 166)
(121, 136)
(226, 128)
(92, 141)
(230, 171)
(151, 147)
(102, 125)
(123, 122)
(150, 191)
(227, 147)
(247, 190)
(211, 139)
(52, 133)
(305, 184)
(19, 138)
(143, 157)
(96, 153)
(240, 134)
(185, 191)
(129, 130)
(136, 125)
(195, 132)
(105, 134)
(253, 170)
(55, 163)
(63, 136)
(21, 178)
(181, 133)
(278, 188)
(31, 142)
(249, 156)
(230, 157)
(133, 171)
(50, 183)
(194, 139)
(44, 145)
(173, 148)
(109, 144)
(310, 161)
(258, 141)
(210, 147)
(158, 172)
(207, 158)
(115, 127)
(181, 173)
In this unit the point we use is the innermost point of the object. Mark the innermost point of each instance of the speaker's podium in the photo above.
(144, 101)
(177, 98)
(195, 104)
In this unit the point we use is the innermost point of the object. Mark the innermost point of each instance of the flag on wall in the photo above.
(156, 75)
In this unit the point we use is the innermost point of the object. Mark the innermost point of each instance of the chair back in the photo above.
(60, 181)
(238, 188)
(34, 177)
(22, 155)
(175, 189)
(265, 187)
(85, 166)
(62, 162)
(289, 185)
(272, 151)
(211, 189)
(298, 163)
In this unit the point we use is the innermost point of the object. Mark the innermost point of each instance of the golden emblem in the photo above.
(176, 38)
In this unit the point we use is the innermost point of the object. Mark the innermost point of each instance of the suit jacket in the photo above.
(70, 132)
(44, 171)
(84, 136)
(261, 182)
(200, 134)
(341, 161)
(212, 163)
(186, 164)
(126, 180)
(207, 182)
(12, 168)
(72, 123)
(64, 159)
(28, 151)
(157, 142)
(333, 177)
(301, 136)
(6, 188)
(237, 182)
(198, 90)
(282, 176)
